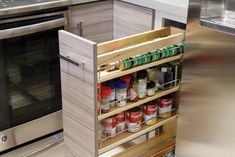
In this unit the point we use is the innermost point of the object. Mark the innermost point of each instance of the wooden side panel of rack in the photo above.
(79, 95)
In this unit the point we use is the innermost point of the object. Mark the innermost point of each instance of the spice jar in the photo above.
(111, 84)
(155, 55)
(112, 66)
(127, 79)
(165, 76)
(152, 74)
(120, 122)
(134, 88)
(109, 126)
(125, 64)
(106, 97)
(134, 119)
(151, 88)
(150, 113)
(121, 93)
(165, 108)
(99, 104)
(142, 84)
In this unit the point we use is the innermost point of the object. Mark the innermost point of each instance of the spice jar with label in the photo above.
(151, 88)
(105, 97)
(121, 93)
(111, 84)
(127, 79)
(142, 84)
(134, 88)
(152, 74)
(109, 126)
(165, 76)
(165, 107)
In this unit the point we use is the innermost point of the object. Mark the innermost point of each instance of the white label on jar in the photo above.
(121, 98)
(163, 110)
(142, 89)
(109, 131)
(150, 119)
(105, 104)
(133, 127)
(113, 95)
(120, 126)
(133, 94)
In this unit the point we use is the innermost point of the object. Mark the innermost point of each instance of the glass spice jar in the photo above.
(151, 88)
(134, 88)
(142, 84)
(127, 79)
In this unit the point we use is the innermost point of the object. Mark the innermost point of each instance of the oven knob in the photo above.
(3, 138)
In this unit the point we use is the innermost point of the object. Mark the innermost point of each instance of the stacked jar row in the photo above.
(138, 85)
(132, 119)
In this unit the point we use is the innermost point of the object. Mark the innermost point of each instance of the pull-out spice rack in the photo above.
(81, 60)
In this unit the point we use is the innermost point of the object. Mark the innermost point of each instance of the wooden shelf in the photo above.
(130, 105)
(105, 76)
(127, 136)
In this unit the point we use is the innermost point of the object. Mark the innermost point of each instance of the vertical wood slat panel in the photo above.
(79, 106)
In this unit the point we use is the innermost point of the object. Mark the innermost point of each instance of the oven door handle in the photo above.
(29, 29)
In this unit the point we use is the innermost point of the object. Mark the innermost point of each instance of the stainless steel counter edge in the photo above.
(34, 7)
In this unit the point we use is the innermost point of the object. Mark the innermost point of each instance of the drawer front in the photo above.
(130, 19)
(93, 20)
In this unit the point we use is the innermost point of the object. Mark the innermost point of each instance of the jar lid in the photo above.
(111, 84)
(151, 84)
(105, 91)
(126, 78)
(121, 84)
(142, 74)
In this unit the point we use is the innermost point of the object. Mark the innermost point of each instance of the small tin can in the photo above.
(165, 52)
(134, 119)
(155, 55)
(147, 58)
(109, 126)
(150, 113)
(120, 122)
(125, 64)
(165, 108)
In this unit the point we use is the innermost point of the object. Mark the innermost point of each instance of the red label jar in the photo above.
(120, 122)
(109, 126)
(165, 108)
(134, 118)
(150, 113)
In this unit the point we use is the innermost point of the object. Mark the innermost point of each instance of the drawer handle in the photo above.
(67, 58)
(80, 28)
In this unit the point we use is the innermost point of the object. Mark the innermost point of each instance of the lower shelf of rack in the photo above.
(127, 136)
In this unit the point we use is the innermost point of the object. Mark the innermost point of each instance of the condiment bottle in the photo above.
(111, 84)
(151, 88)
(134, 88)
(142, 84)
(121, 93)
(127, 79)
(106, 97)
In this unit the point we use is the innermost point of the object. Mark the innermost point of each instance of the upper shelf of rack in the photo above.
(119, 49)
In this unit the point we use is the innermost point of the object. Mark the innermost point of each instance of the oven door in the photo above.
(29, 70)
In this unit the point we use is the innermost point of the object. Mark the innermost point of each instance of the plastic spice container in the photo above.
(111, 84)
(134, 88)
(142, 84)
(134, 119)
(151, 88)
(121, 93)
(127, 79)
(165, 108)
(109, 126)
(106, 98)
(112, 66)
(150, 113)
(120, 122)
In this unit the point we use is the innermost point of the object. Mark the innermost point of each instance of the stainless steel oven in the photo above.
(30, 90)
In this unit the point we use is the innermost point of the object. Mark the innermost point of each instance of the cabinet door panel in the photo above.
(93, 21)
(130, 19)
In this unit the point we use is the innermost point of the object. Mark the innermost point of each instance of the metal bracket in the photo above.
(67, 58)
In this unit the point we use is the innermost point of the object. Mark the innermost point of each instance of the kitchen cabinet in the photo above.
(82, 76)
(130, 19)
(93, 21)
